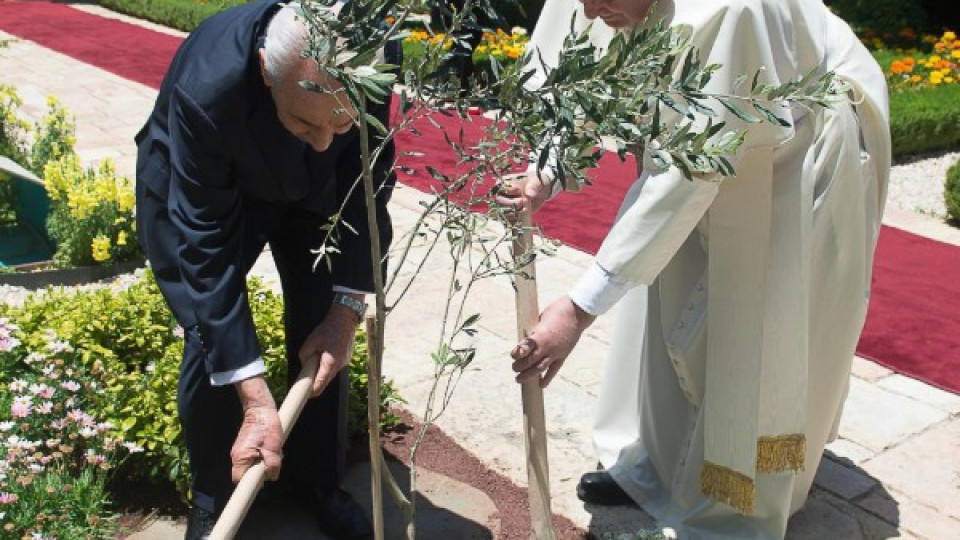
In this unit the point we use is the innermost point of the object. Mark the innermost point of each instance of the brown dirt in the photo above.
(439, 453)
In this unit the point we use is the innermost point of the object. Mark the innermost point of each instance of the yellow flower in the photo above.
(948, 80)
(122, 238)
(101, 248)
(949, 36)
(125, 200)
(915, 79)
(955, 54)
(80, 201)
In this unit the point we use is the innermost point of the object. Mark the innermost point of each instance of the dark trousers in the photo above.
(460, 63)
(314, 454)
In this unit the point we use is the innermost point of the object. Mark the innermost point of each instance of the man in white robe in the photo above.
(718, 434)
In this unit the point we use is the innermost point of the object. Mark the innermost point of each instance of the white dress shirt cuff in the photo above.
(598, 290)
(342, 289)
(223, 378)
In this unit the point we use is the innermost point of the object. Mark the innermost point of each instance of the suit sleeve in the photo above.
(205, 205)
(353, 268)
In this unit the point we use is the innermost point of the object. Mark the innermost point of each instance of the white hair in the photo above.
(286, 39)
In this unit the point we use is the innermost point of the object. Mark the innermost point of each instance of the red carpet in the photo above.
(912, 326)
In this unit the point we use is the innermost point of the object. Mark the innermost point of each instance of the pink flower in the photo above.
(42, 390)
(70, 386)
(45, 408)
(21, 407)
(8, 344)
(8, 498)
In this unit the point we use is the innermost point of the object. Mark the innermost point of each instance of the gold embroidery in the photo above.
(781, 453)
(728, 486)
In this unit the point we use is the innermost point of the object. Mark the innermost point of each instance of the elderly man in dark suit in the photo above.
(236, 155)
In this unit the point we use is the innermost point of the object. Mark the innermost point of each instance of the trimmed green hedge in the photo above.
(951, 192)
(925, 120)
(180, 14)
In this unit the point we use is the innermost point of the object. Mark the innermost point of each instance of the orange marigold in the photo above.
(897, 67)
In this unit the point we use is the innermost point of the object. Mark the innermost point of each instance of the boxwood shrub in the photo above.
(951, 192)
(925, 119)
(183, 15)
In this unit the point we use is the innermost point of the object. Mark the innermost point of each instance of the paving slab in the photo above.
(847, 482)
(911, 518)
(868, 370)
(826, 516)
(847, 450)
(879, 419)
(922, 392)
(926, 468)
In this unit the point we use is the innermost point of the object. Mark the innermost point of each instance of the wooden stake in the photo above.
(373, 425)
(534, 424)
(239, 504)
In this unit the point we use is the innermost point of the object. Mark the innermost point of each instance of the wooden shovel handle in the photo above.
(239, 504)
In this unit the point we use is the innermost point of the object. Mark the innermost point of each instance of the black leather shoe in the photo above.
(199, 524)
(600, 488)
(341, 518)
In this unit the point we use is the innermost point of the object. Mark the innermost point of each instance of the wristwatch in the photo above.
(346, 300)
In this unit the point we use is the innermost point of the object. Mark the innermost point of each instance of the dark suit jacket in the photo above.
(214, 150)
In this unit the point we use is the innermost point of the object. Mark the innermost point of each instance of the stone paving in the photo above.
(893, 473)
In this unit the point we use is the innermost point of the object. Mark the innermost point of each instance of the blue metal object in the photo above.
(27, 241)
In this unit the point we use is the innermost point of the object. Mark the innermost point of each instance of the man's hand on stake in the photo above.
(544, 350)
(521, 192)
(261, 435)
(331, 341)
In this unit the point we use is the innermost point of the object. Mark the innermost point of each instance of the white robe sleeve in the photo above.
(655, 222)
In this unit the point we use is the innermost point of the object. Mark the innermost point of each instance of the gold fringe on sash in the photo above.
(781, 453)
(728, 486)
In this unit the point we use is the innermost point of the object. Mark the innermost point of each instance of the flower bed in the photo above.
(924, 94)
(503, 46)
(58, 450)
(90, 216)
(86, 376)
(913, 68)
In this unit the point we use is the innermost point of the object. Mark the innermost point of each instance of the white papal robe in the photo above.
(741, 300)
